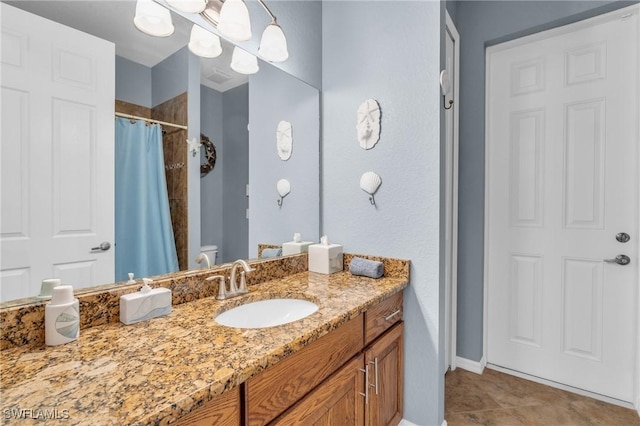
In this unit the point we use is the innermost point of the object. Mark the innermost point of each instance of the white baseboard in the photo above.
(473, 366)
(404, 422)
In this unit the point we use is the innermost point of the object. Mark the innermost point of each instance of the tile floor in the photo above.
(495, 398)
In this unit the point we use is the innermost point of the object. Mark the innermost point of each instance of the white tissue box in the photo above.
(293, 247)
(325, 259)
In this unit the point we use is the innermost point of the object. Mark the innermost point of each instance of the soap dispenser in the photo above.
(61, 317)
(145, 304)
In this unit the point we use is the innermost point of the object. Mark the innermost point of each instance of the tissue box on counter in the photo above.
(296, 246)
(325, 258)
(293, 247)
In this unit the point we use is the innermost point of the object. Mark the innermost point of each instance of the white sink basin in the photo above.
(267, 313)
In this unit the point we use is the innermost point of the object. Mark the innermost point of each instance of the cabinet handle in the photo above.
(391, 315)
(366, 384)
(375, 372)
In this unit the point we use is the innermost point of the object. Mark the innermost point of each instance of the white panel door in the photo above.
(58, 90)
(562, 182)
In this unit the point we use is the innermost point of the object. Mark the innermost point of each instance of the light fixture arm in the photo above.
(273, 17)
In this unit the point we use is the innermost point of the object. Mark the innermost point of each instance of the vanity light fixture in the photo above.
(153, 19)
(244, 62)
(188, 6)
(231, 17)
(204, 43)
(234, 20)
(273, 44)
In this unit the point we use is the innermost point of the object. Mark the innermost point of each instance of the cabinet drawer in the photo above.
(223, 410)
(382, 316)
(277, 388)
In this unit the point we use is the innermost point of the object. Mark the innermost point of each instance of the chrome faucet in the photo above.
(203, 257)
(242, 288)
(234, 289)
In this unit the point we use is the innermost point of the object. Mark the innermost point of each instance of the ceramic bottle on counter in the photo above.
(61, 317)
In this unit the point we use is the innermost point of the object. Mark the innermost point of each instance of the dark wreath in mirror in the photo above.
(209, 156)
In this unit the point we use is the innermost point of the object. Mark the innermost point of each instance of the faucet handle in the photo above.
(243, 283)
(221, 286)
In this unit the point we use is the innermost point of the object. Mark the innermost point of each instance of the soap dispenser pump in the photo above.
(145, 304)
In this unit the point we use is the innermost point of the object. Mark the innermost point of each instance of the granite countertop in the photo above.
(155, 371)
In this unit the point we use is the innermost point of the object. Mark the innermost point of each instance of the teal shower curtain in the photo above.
(144, 238)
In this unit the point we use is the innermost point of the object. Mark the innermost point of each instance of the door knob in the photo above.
(622, 237)
(104, 246)
(621, 259)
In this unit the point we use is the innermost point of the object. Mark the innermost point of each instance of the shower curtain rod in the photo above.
(164, 123)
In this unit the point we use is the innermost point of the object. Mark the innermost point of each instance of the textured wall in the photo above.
(133, 82)
(389, 51)
(211, 201)
(235, 173)
(483, 23)
(275, 96)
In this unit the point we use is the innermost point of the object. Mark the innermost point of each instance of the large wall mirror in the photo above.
(233, 207)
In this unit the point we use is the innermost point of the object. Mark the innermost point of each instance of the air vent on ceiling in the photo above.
(219, 77)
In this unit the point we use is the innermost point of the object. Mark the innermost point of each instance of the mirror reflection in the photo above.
(154, 78)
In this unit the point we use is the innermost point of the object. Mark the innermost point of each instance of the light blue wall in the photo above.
(193, 122)
(275, 96)
(170, 77)
(480, 24)
(235, 173)
(389, 51)
(211, 200)
(224, 118)
(133, 82)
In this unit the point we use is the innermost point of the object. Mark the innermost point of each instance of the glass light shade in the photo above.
(153, 19)
(234, 20)
(273, 45)
(204, 43)
(188, 6)
(244, 62)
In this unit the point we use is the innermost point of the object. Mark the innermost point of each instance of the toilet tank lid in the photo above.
(208, 248)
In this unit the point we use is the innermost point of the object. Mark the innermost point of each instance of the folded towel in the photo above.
(367, 268)
(271, 252)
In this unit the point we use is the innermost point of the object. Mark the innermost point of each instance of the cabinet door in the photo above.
(384, 358)
(224, 410)
(338, 401)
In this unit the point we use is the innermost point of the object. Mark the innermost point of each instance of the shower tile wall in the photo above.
(175, 158)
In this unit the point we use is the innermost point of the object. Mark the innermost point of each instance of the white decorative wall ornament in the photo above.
(284, 188)
(368, 124)
(369, 183)
(194, 146)
(284, 139)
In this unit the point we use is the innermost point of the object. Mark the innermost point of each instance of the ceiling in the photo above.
(113, 20)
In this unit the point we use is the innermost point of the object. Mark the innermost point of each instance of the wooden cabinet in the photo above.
(385, 364)
(351, 376)
(382, 316)
(277, 388)
(338, 401)
(221, 411)
(368, 389)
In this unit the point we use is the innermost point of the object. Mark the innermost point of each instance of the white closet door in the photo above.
(562, 180)
(58, 90)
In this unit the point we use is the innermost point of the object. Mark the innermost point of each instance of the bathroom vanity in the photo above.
(343, 361)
